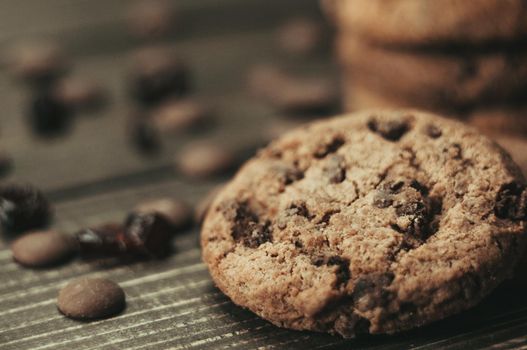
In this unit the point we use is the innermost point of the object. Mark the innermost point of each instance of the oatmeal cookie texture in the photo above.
(374, 222)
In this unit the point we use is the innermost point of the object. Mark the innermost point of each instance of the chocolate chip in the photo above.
(148, 234)
(49, 116)
(419, 187)
(300, 36)
(300, 209)
(247, 227)
(43, 248)
(330, 147)
(176, 212)
(102, 241)
(433, 131)
(511, 202)
(205, 159)
(23, 207)
(383, 198)
(334, 170)
(158, 75)
(343, 272)
(292, 174)
(91, 298)
(369, 291)
(391, 130)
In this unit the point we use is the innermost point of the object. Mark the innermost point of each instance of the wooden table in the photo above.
(93, 176)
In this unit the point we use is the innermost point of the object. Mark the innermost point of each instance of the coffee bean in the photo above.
(23, 207)
(103, 241)
(157, 75)
(205, 159)
(43, 248)
(151, 19)
(148, 234)
(78, 93)
(391, 130)
(179, 115)
(300, 36)
(176, 212)
(91, 298)
(49, 116)
(38, 63)
(511, 202)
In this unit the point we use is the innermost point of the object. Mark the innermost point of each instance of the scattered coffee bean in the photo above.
(143, 135)
(148, 234)
(300, 36)
(23, 208)
(179, 115)
(91, 298)
(151, 19)
(204, 160)
(176, 212)
(203, 206)
(157, 75)
(103, 241)
(37, 63)
(43, 248)
(49, 116)
(78, 93)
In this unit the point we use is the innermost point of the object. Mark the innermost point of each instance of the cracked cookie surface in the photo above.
(374, 222)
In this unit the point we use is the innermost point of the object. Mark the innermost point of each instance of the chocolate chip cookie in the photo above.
(436, 78)
(425, 22)
(374, 222)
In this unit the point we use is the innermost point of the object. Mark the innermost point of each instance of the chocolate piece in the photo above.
(329, 148)
(176, 212)
(23, 207)
(49, 116)
(91, 298)
(391, 130)
(334, 170)
(205, 159)
(148, 234)
(102, 241)
(247, 227)
(157, 75)
(511, 202)
(43, 248)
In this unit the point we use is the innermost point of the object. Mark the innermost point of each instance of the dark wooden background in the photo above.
(92, 176)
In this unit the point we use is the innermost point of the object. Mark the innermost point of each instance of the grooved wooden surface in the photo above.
(92, 176)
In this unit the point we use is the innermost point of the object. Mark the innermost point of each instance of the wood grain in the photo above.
(92, 177)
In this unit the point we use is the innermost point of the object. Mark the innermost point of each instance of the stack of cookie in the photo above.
(462, 58)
